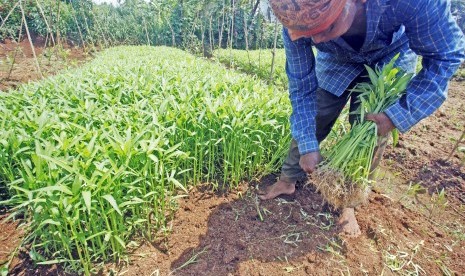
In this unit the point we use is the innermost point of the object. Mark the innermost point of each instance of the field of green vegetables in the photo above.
(97, 156)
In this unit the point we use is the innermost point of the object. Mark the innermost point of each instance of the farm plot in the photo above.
(413, 223)
(92, 157)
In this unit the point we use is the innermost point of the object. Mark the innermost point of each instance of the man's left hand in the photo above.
(383, 122)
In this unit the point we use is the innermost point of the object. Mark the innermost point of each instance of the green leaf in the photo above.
(372, 75)
(133, 201)
(395, 137)
(178, 184)
(120, 241)
(49, 221)
(96, 235)
(86, 195)
(4, 270)
(36, 256)
(52, 262)
(61, 163)
(107, 236)
(59, 188)
(154, 158)
(112, 202)
(381, 87)
(76, 185)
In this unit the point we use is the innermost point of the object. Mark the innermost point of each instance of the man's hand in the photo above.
(309, 161)
(383, 122)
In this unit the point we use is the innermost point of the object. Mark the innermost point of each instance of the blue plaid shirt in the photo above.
(423, 27)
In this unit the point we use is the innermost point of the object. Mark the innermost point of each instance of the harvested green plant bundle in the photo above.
(343, 178)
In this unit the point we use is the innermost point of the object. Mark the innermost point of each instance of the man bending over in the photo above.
(347, 35)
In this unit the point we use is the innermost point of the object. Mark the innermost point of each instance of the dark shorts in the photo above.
(329, 108)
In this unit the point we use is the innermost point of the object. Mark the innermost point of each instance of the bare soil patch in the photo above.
(17, 63)
(10, 238)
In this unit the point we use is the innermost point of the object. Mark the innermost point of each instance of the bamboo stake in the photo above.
(260, 46)
(49, 30)
(46, 38)
(8, 15)
(274, 48)
(20, 34)
(230, 36)
(30, 39)
(194, 27)
(146, 31)
(210, 33)
(12, 63)
(202, 30)
(254, 11)
(232, 23)
(220, 35)
(100, 28)
(58, 23)
(246, 34)
(87, 27)
(173, 38)
(79, 28)
(218, 26)
(110, 33)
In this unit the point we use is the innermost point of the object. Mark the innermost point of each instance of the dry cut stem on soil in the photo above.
(337, 190)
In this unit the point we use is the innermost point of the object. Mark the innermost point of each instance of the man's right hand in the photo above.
(308, 162)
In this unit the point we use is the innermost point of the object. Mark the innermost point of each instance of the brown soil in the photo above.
(407, 226)
(10, 238)
(17, 63)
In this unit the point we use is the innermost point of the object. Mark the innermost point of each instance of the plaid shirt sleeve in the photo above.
(433, 34)
(300, 69)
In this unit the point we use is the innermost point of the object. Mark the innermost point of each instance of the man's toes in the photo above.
(350, 232)
(355, 233)
(266, 195)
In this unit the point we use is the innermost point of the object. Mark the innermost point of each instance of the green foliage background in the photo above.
(196, 25)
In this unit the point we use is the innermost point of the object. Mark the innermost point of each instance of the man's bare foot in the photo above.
(349, 223)
(278, 188)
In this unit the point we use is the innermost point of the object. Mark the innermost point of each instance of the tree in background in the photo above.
(458, 10)
(195, 25)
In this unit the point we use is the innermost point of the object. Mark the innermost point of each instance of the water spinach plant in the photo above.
(94, 157)
(344, 177)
